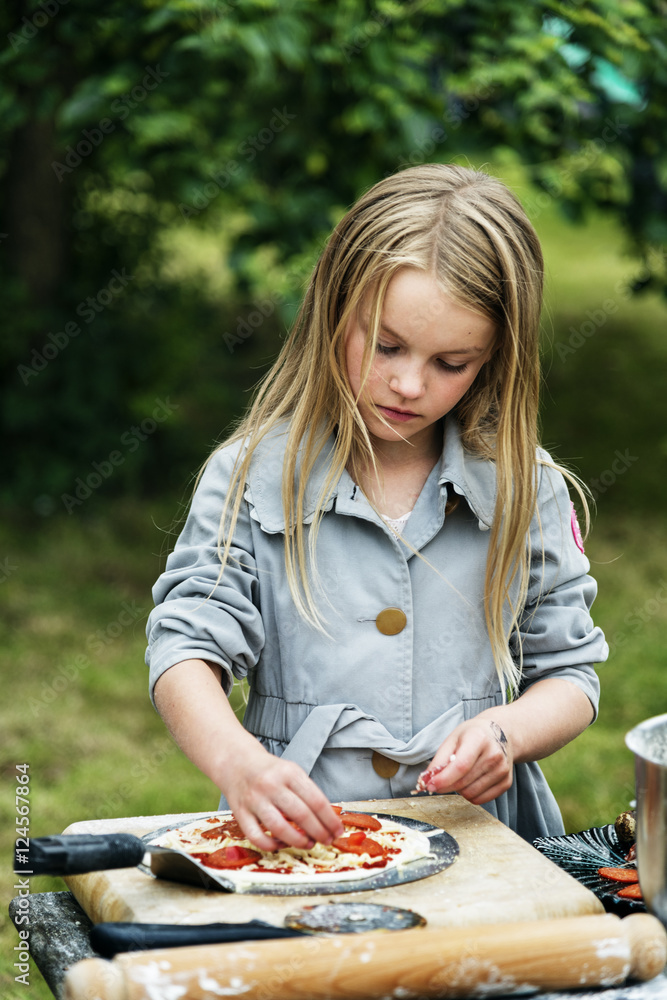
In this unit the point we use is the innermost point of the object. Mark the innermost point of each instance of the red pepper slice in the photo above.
(631, 891)
(229, 857)
(620, 874)
(297, 827)
(361, 821)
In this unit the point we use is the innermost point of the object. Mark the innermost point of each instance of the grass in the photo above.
(76, 592)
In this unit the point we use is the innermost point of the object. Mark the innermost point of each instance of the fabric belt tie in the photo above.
(346, 726)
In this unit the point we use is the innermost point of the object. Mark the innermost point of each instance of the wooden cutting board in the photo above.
(497, 878)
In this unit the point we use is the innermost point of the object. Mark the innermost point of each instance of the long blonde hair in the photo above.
(471, 233)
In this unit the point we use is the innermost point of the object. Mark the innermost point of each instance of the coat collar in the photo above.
(471, 477)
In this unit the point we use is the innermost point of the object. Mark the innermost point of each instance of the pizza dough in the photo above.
(360, 853)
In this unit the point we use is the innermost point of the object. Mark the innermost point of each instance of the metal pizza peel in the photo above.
(443, 853)
(76, 854)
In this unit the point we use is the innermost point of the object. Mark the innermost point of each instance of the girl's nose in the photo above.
(408, 383)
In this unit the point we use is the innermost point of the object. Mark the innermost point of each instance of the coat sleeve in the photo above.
(557, 633)
(198, 614)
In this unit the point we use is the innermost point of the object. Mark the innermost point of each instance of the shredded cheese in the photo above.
(301, 865)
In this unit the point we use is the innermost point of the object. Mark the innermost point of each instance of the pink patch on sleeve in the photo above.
(576, 530)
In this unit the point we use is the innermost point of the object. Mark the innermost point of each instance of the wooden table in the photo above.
(60, 937)
(497, 879)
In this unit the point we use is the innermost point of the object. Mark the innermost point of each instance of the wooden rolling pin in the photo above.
(433, 962)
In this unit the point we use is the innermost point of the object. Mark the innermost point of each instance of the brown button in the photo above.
(391, 621)
(384, 766)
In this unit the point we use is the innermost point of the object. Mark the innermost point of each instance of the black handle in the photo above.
(77, 853)
(110, 938)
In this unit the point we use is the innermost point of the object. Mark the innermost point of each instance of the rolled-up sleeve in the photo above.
(558, 636)
(200, 614)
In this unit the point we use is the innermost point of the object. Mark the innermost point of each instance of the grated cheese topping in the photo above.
(300, 865)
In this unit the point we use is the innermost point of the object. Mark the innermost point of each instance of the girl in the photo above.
(381, 547)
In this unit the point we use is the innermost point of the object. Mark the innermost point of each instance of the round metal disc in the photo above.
(352, 918)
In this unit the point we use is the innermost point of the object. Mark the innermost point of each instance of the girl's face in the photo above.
(429, 352)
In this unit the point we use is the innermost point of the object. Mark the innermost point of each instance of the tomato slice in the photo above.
(620, 874)
(229, 857)
(352, 840)
(631, 891)
(361, 821)
(359, 843)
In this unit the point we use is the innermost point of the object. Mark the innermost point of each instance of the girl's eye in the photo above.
(457, 369)
(389, 349)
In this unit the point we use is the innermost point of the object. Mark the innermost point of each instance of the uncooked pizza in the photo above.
(370, 844)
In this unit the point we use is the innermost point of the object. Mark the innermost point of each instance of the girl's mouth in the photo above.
(400, 415)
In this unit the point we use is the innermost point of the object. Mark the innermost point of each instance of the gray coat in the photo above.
(329, 701)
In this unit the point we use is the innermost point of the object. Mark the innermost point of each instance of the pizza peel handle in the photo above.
(78, 853)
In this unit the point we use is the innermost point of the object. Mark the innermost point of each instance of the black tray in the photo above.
(581, 854)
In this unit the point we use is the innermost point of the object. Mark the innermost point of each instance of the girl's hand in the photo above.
(476, 760)
(277, 804)
(263, 791)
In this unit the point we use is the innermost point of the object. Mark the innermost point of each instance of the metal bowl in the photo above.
(648, 742)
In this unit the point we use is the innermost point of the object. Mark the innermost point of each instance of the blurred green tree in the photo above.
(170, 168)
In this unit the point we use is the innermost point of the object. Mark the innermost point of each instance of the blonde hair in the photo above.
(471, 233)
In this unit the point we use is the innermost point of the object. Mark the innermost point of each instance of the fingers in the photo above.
(480, 779)
(475, 761)
(281, 806)
(252, 828)
(313, 814)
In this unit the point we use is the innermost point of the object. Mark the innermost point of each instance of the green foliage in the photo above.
(240, 131)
